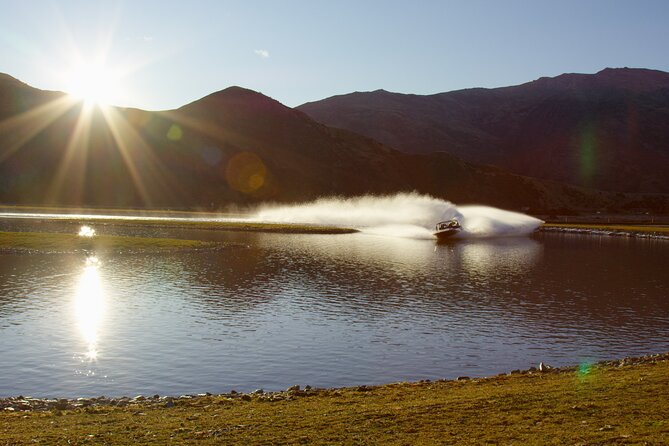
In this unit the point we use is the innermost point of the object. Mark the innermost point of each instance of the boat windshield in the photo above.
(452, 224)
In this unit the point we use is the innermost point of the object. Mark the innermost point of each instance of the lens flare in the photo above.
(246, 173)
(588, 154)
(174, 133)
(584, 369)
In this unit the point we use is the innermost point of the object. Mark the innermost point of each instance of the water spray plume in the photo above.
(410, 215)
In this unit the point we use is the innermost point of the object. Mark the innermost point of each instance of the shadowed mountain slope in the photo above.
(608, 130)
(235, 146)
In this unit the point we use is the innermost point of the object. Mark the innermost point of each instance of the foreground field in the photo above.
(621, 402)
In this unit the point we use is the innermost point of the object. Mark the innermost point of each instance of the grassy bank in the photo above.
(248, 226)
(283, 228)
(607, 403)
(612, 228)
(55, 242)
(171, 219)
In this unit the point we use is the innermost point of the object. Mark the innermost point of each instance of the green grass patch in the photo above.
(607, 405)
(56, 242)
(283, 228)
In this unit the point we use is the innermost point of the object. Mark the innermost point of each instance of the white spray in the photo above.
(402, 215)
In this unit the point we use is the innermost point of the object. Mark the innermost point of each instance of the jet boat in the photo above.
(447, 229)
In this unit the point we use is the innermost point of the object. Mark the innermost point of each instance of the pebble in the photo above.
(544, 367)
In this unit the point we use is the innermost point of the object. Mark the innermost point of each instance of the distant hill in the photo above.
(235, 146)
(608, 130)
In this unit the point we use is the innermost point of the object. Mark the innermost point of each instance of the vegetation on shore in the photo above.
(620, 230)
(616, 402)
(610, 227)
(183, 220)
(247, 226)
(57, 242)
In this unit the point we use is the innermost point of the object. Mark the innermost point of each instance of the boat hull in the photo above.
(446, 234)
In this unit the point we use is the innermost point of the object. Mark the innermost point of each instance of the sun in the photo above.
(94, 83)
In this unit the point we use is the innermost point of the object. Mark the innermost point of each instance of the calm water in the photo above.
(278, 310)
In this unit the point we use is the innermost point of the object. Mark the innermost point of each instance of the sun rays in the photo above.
(25, 125)
(77, 130)
(80, 125)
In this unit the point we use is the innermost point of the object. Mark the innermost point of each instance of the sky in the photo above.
(162, 54)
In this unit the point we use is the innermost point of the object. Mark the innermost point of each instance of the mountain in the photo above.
(608, 130)
(235, 146)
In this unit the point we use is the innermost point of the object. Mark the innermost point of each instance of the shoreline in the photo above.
(27, 403)
(175, 223)
(655, 232)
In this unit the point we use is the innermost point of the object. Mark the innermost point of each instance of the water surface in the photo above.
(276, 310)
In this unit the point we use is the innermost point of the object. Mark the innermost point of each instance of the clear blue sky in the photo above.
(173, 52)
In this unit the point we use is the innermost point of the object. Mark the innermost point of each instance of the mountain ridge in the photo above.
(235, 146)
(538, 129)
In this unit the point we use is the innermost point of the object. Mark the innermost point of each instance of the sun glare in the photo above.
(94, 84)
(89, 306)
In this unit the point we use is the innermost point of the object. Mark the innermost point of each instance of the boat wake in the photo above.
(408, 215)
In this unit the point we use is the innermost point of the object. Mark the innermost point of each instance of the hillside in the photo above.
(607, 130)
(234, 146)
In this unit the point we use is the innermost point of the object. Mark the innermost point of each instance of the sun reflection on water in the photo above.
(89, 306)
(86, 231)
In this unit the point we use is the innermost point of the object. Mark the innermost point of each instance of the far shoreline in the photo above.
(659, 232)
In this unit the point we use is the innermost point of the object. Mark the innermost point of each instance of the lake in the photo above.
(274, 310)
